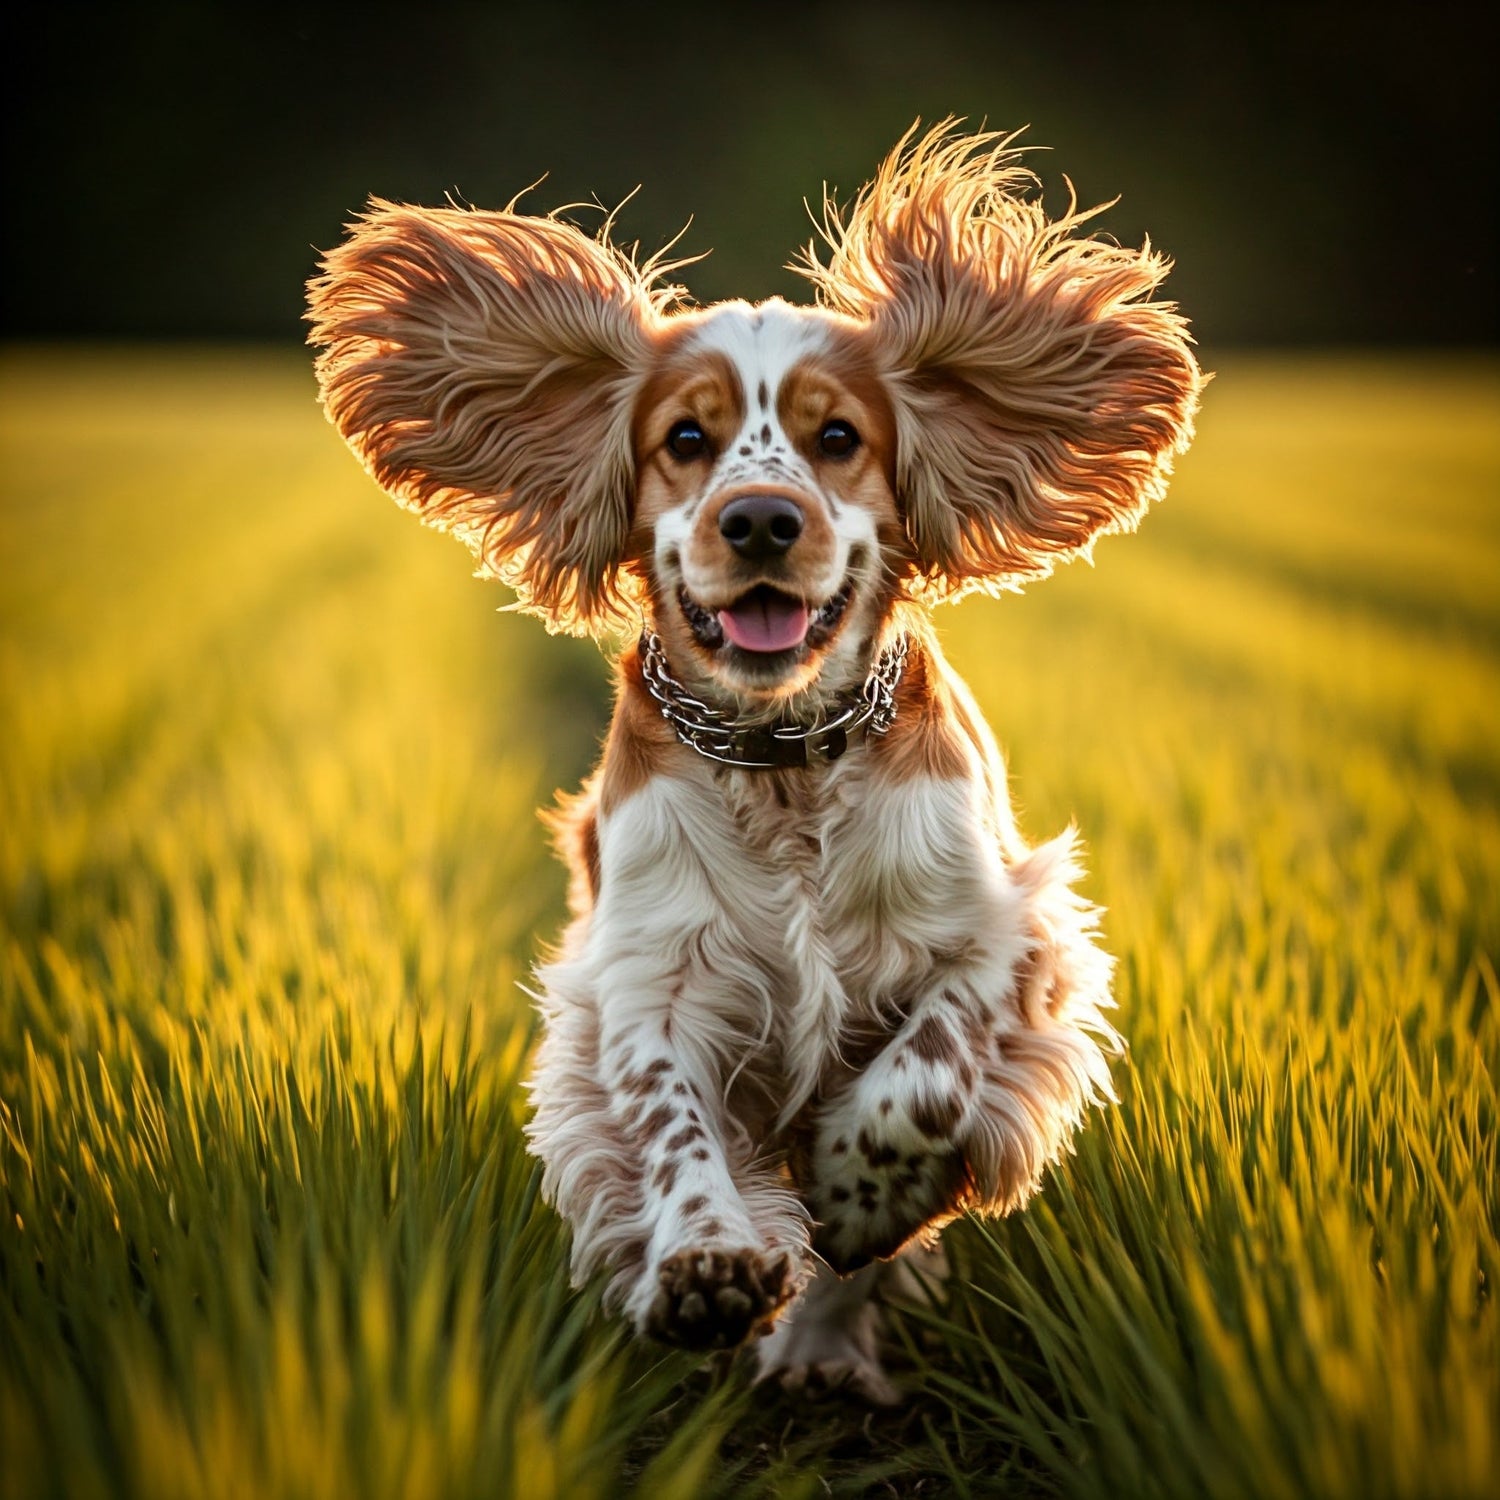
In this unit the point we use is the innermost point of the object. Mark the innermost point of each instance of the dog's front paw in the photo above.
(715, 1299)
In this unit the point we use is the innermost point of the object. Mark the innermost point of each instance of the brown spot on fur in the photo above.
(701, 1154)
(696, 1204)
(877, 1156)
(657, 1121)
(646, 1080)
(666, 1177)
(710, 1228)
(956, 955)
(839, 1194)
(685, 1137)
(933, 1042)
(936, 1117)
(885, 1106)
(839, 1147)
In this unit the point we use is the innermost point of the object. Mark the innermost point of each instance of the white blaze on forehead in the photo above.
(762, 343)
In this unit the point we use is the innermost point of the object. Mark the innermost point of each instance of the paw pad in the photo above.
(714, 1299)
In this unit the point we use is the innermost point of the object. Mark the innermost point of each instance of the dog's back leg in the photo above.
(830, 1339)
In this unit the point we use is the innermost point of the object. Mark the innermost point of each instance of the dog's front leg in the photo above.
(680, 996)
(714, 1271)
(979, 1088)
(888, 1154)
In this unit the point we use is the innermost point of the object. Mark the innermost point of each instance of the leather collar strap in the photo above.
(761, 746)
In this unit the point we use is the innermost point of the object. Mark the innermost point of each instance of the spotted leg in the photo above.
(888, 1156)
(979, 1089)
(719, 1262)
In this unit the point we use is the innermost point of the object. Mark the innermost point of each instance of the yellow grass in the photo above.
(269, 875)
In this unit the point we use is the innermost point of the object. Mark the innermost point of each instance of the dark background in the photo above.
(1322, 174)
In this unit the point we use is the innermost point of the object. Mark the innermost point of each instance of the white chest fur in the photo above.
(784, 913)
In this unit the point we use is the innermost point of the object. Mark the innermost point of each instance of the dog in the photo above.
(818, 997)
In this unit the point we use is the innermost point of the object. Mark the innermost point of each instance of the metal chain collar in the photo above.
(719, 737)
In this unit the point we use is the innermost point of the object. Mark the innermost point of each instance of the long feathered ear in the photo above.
(483, 367)
(1040, 394)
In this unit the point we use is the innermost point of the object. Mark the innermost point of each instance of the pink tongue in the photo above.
(765, 621)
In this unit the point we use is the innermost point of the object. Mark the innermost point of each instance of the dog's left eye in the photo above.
(838, 439)
(686, 440)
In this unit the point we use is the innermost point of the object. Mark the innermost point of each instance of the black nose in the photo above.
(760, 527)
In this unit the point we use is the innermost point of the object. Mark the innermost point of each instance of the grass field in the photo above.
(270, 875)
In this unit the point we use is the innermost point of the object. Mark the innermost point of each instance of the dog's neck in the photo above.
(780, 736)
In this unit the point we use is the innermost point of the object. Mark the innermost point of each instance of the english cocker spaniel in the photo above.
(818, 996)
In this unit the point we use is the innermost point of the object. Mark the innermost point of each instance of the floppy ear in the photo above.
(1040, 396)
(483, 367)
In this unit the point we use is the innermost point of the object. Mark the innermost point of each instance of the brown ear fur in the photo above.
(1040, 396)
(483, 367)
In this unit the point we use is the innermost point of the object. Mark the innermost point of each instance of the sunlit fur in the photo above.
(485, 367)
(804, 1015)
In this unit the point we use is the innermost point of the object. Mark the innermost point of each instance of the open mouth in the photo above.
(765, 621)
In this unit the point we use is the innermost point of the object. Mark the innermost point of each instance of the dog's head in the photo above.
(979, 393)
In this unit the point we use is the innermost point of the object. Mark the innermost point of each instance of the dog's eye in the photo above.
(686, 440)
(838, 439)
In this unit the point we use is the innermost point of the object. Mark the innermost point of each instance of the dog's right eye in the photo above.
(686, 440)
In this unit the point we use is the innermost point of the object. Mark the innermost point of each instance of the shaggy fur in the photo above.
(801, 1017)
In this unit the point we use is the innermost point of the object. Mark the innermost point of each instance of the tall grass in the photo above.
(269, 875)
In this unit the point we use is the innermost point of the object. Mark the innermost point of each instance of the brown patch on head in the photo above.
(696, 1204)
(697, 385)
(840, 383)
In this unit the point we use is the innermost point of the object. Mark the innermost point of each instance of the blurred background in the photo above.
(1323, 174)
